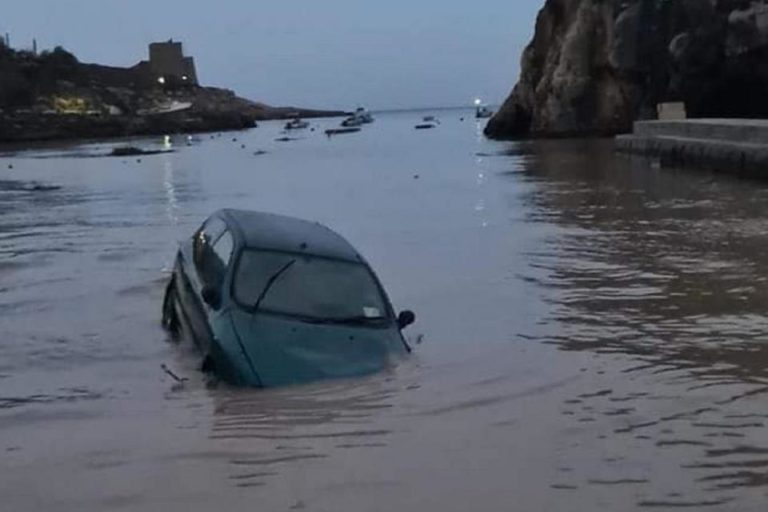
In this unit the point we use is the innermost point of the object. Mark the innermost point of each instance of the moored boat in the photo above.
(338, 131)
(296, 124)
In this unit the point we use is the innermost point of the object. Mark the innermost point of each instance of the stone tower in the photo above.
(168, 65)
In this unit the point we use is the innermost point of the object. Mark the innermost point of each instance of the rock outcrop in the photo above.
(54, 96)
(595, 66)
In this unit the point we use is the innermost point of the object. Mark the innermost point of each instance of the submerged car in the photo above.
(272, 300)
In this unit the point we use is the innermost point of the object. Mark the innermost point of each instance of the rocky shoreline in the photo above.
(595, 67)
(206, 113)
(54, 96)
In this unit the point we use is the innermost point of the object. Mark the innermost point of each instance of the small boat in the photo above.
(483, 112)
(430, 119)
(296, 124)
(363, 115)
(425, 126)
(337, 131)
(352, 121)
(358, 118)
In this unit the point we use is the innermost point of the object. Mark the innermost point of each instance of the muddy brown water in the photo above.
(593, 330)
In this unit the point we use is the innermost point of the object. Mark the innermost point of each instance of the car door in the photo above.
(198, 265)
(212, 272)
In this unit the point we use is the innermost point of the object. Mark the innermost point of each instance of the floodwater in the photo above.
(591, 330)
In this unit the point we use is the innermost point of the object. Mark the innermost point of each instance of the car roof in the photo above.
(269, 231)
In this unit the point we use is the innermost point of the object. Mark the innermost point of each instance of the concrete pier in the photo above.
(737, 146)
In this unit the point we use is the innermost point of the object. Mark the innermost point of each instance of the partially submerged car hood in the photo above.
(287, 351)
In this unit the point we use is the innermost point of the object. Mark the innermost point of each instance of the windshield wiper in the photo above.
(357, 319)
(272, 279)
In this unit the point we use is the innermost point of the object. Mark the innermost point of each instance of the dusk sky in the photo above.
(325, 54)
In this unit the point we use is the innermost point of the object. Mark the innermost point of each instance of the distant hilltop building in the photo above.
(168, 65)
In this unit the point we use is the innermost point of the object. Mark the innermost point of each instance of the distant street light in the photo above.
(161, 80)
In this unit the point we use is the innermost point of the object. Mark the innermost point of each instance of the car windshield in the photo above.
(309, 287)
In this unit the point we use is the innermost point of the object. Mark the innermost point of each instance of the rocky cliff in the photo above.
(53, 95)
(594, 66)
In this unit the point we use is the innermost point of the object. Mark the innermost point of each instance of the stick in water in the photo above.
(169, 372)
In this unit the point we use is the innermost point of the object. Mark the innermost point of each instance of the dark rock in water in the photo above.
(133, 151)
(126, 151)
(595, 67)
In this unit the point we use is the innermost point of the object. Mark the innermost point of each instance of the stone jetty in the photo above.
(736, 146)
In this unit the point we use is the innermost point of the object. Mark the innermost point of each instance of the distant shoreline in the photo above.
(53, 96)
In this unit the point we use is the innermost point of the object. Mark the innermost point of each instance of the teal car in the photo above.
(271, 300)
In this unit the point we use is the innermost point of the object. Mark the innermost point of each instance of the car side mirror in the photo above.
(405, 318)
(211, 297)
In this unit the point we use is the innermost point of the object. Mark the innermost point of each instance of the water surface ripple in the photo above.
(591, 329)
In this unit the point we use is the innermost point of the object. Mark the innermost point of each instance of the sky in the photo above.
(382, 54)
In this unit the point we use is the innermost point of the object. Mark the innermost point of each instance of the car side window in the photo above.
(213, 249)
(205, 237)
(223, 248)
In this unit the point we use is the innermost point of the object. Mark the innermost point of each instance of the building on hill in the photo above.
(168, 65)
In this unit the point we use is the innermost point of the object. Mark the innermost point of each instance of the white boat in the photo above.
(427, 123)
(363, 115)
(352, 121)
(483, 112)
(296, 124)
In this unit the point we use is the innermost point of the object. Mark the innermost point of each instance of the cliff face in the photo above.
(594, 66)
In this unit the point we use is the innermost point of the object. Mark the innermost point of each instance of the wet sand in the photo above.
(593, 330)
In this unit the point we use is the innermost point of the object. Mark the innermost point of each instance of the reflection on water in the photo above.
(665, 267)
(280, 427)
(593, 330)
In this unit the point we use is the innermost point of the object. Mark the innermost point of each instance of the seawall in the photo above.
(735, 146)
